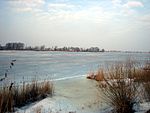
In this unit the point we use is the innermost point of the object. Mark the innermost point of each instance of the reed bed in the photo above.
(120, 92)
(18, 96)
(145, 78)
(122, 86)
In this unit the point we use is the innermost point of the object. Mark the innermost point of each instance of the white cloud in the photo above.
(128, 8)
(64, 11)
(68, 12)
(60, 6)
(144, 21)
(132, 4)
(116, 3)
(145, 18)
(25, 9)
(26, 5)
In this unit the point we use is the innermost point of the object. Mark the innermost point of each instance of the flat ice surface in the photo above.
(41, 65)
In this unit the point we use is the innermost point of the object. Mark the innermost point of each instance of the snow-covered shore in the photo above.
(77, 95)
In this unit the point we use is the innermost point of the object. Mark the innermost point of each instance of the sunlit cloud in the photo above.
(128, 8)
(133, 4)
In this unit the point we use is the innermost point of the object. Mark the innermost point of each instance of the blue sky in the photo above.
(109, 24)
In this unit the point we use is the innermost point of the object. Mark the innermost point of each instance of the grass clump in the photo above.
(18, 96)
(120, 90)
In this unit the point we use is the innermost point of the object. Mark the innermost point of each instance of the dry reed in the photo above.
(18, 96)
(120, 90)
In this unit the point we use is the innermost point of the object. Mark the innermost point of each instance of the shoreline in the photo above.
(77, 95)
(109, 51)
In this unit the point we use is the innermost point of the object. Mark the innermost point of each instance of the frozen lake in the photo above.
(59, 65)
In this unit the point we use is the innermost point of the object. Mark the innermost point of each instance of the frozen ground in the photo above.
(77, 95)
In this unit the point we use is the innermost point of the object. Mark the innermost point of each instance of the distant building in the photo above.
(14, 46)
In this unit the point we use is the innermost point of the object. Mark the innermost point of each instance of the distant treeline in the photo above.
(21, 46)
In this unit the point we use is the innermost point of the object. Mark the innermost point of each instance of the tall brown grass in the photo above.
(12, 96)
(145, 80)
(120, 90)
(98, 76)
(18, 96)
(124, 85)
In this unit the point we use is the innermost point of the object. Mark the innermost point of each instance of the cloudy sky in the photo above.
(109, 24)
